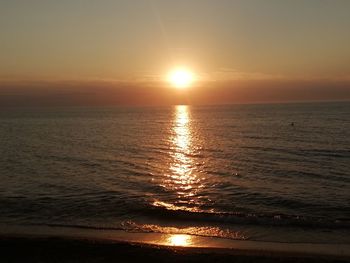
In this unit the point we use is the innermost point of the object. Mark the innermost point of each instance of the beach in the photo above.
(30, 249)
(52, 244)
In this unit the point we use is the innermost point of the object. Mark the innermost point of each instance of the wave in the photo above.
(169, 212)
(76, 226)
(203, 231)
(133, 227)
(339, 153)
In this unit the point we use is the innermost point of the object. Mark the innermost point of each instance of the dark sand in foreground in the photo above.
(40, 249)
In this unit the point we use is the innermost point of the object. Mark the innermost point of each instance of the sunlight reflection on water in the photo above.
(179, 240)
(181, 178)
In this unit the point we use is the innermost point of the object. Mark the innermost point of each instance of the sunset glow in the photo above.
(170, 131)
(181, 78)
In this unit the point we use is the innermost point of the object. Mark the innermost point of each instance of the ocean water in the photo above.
(252, 172)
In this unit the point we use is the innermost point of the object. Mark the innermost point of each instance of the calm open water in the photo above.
(242, 172)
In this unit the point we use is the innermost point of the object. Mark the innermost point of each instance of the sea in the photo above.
(268, 172)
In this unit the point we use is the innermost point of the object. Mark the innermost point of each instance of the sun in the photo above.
(181, 78)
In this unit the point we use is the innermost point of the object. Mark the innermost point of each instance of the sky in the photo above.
(85, 52)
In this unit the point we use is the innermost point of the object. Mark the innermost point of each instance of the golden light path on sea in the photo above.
(184, 181)
(181, 178)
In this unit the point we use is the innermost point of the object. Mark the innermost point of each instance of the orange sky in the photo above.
(88, 52)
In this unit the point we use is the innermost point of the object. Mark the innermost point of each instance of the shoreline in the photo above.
(64, 249)
(38, 240)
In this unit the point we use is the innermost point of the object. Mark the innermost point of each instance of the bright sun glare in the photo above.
(181, 78)
(180, 240)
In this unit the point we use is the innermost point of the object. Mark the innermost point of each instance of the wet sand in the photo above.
(70, 244)
(63, 249)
